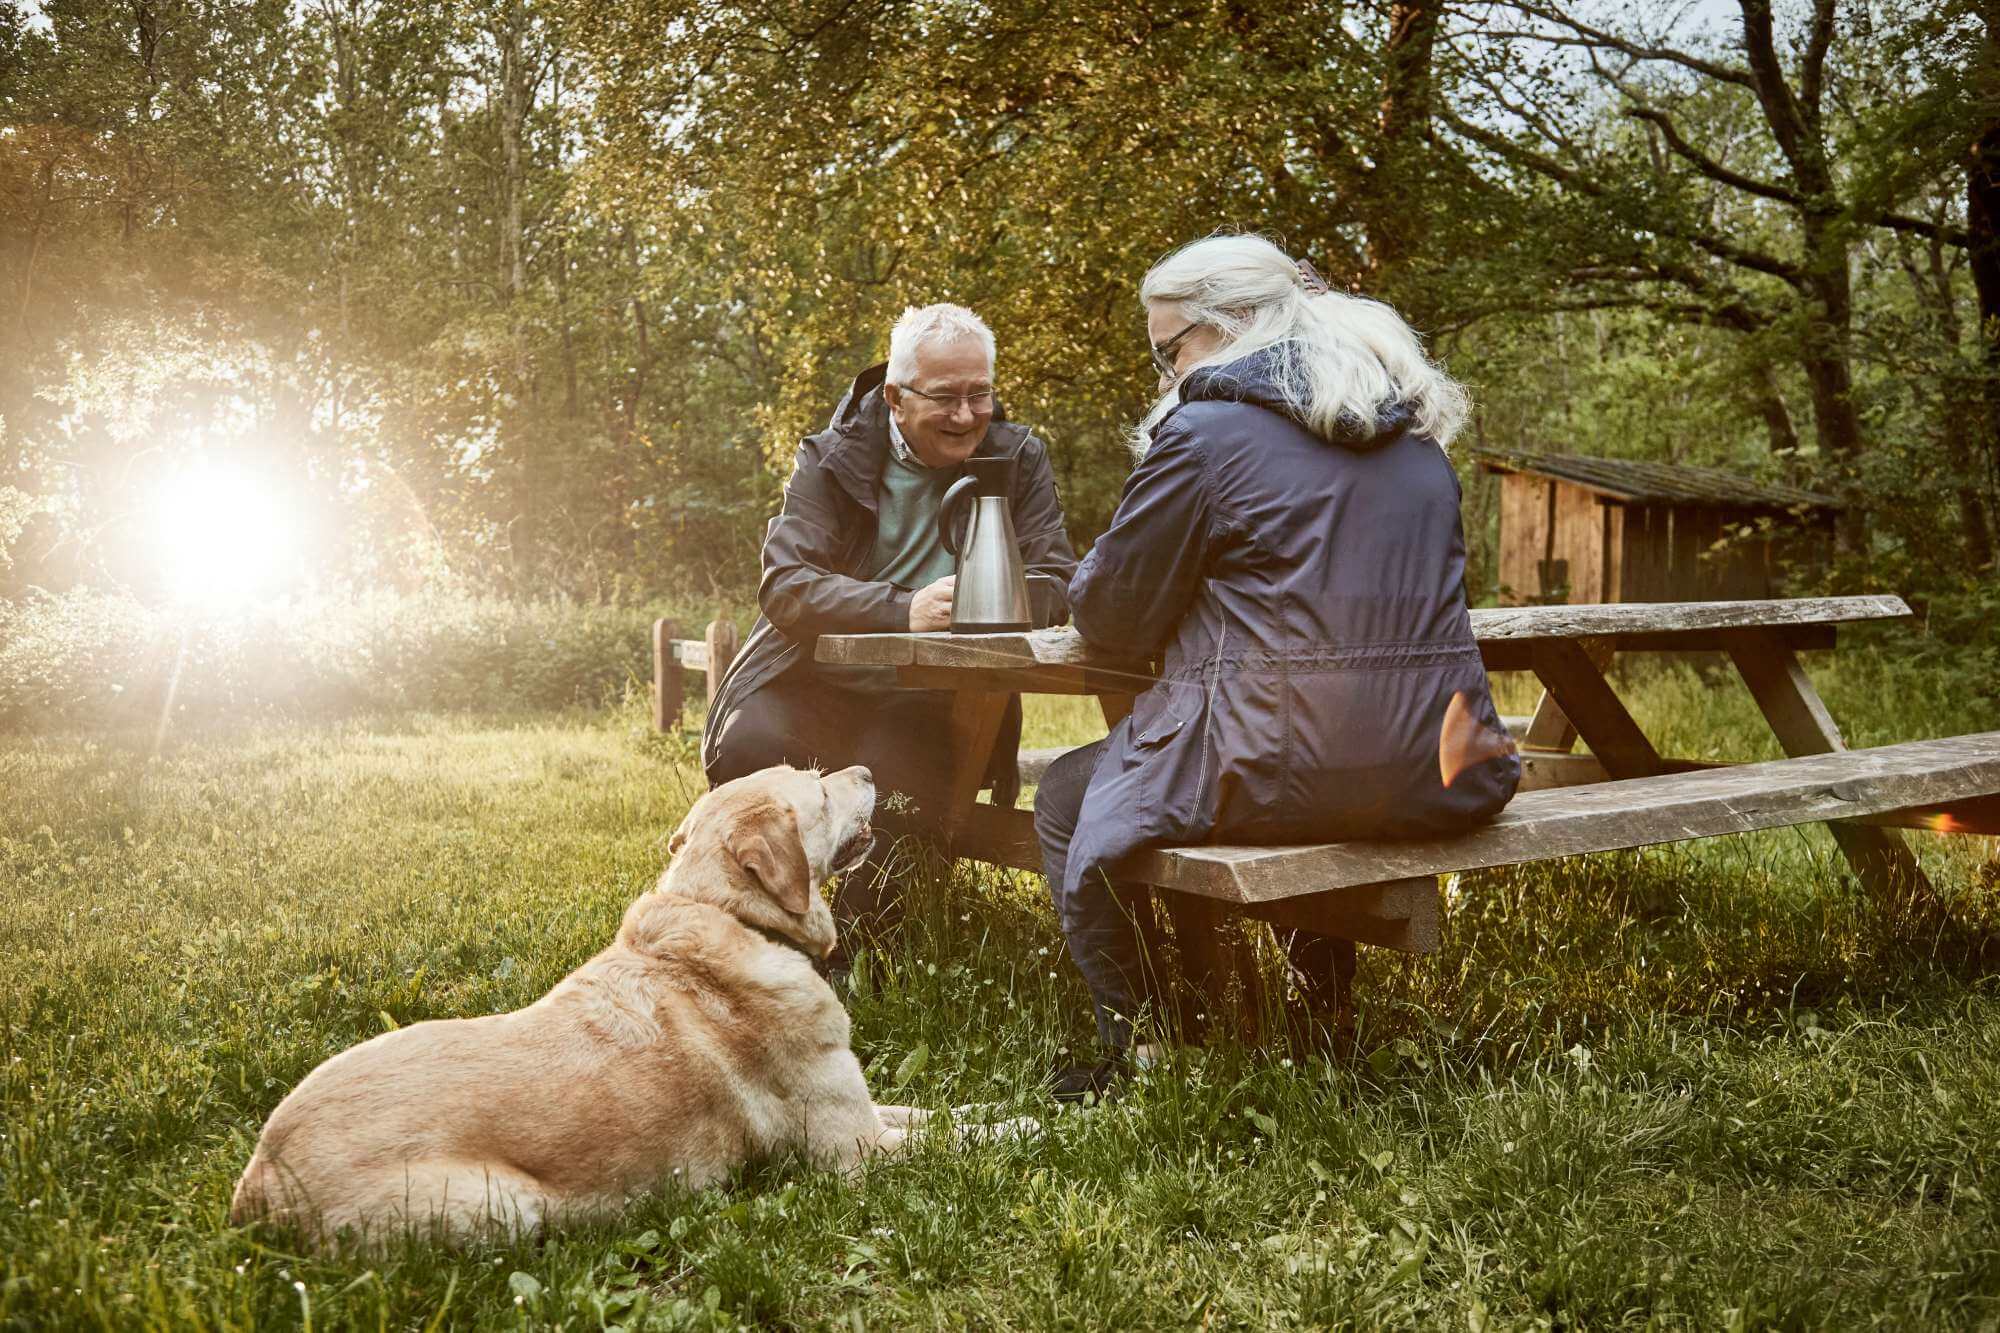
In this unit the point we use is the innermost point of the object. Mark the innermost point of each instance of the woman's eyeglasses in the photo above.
(1163, 353)
(978, 402)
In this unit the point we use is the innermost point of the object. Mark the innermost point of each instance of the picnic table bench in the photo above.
(1622, 793)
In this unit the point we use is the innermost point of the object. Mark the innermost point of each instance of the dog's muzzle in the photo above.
(854, 850)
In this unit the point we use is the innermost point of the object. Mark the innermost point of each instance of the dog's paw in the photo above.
(995, 1131)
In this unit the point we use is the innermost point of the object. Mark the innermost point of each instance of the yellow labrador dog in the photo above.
(702, 1037)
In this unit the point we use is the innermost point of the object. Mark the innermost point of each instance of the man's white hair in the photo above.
(1344, 360)
(933, 326)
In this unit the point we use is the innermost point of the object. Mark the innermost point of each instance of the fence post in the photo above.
(666, 678)
(721, 637)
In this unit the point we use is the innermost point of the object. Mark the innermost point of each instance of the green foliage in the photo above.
(542, 293)
(87, 661)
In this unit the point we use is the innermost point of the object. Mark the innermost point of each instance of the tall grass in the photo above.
(91, 661)
(1707, 1086)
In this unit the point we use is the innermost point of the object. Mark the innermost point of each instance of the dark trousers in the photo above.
(1100, 919)
(811, 720)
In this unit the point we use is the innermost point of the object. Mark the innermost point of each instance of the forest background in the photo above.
(525, 303)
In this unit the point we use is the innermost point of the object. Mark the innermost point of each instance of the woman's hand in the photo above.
(930, 609)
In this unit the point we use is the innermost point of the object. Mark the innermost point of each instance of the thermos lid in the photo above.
(993, 475)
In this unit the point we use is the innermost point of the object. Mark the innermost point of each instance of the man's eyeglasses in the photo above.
(1163, 353)
(978, 402)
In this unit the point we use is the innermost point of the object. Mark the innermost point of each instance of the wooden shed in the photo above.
(1575, 529)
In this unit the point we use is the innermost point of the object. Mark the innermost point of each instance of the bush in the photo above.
(89, 660)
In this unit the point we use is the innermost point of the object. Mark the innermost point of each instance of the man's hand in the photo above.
(930, 609)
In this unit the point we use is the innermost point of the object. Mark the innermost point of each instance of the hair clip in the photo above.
(1310, 279)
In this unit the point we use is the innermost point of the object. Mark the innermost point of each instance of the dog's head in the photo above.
(775, 836)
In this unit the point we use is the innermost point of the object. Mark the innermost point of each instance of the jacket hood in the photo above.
(1254, 379)
(849, 408)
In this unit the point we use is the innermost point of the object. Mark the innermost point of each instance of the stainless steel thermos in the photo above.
(991, 593)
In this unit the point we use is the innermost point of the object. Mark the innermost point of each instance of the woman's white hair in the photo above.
(933, 326)
(1342, 360)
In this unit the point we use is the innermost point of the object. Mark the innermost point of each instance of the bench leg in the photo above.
(1212, 953)
(1799, 717)
(1322, 969)
(1549, 729)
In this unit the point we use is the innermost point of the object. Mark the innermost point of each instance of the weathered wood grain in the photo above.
(1576, 622)
(1401, 914)
(1647, 626)
(1034, 763)
(1803, 726)
(1637, 812)
(975, 725)
(1539, 771)
(1548, 729)
(1571, 672)
(666, 677)
(719, 647)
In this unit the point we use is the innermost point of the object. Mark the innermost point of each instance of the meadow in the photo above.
(1706, 1086)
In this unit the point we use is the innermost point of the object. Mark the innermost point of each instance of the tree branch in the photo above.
(1741, 256)
(1812, 78)
(1727, 73)
(1796, 139)
(1706, 165)
(1715, 171)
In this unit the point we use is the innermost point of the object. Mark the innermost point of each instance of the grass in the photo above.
(1710, 1086)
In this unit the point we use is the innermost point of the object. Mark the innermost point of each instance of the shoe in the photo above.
(1090, 1085)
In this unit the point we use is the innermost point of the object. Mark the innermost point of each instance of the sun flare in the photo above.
(223, 538)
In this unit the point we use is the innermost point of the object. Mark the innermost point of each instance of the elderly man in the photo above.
(856, 549)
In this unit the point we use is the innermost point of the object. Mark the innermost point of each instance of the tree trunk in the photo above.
(1778, 428)
(1982, 213)
(514, 97)
(1396, 214)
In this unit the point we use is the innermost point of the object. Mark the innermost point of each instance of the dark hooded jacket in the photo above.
(817, 547)
(1306, 598)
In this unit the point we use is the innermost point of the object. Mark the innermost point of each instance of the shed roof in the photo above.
(1659, 483)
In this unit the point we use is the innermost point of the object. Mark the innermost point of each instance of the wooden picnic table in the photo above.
(1385, 892)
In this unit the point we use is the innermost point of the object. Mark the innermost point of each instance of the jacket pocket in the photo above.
(1156, 725)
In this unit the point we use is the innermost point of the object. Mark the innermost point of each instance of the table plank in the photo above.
(1625, 626)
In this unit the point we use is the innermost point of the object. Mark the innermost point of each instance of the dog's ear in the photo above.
(767, 843)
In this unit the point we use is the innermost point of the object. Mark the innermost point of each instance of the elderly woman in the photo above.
(1289, 543)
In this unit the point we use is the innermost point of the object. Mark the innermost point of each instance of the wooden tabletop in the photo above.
(1506, 636)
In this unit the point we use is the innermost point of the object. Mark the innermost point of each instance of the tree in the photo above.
(1754, 233)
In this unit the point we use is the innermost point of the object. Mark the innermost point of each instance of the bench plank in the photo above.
(1608, 816)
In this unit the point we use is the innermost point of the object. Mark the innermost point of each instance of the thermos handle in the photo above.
(959, 491)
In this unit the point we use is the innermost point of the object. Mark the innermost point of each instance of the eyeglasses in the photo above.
(978, 402)
(1163, 353)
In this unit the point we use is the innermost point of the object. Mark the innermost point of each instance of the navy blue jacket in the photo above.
(1306, 597)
